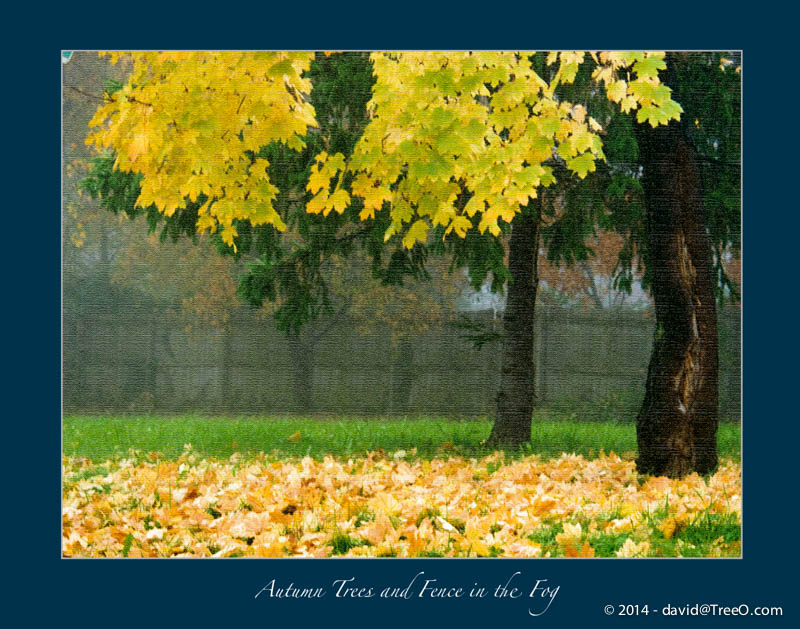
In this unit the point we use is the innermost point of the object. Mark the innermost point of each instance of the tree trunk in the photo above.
(677, 424)
(512, 424)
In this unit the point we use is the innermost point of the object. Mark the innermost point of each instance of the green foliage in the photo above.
(479, 333)
(480, 254)
(709, 85)
(118, 192)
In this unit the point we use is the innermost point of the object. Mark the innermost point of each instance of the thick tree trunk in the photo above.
(677, 424)
(512, 424)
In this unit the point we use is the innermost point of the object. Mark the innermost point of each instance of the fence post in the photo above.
(153, 370)
(226, 367)
(540, 360)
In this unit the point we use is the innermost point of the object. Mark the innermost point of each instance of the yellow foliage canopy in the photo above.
(450, 126)
(191, 123)
(444, 127)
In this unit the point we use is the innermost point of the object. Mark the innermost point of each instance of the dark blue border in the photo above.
(211, 593)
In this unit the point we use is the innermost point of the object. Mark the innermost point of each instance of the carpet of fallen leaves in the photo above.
(385, 505)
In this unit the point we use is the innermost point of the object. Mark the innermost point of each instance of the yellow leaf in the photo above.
(571, 534)
(460, 224)
(417, 233)
(602, 73)
(339, 200)
(390, 231)
(319, 179)
(632, 549)
(138, 146)
(668, 527)
(374, 198)
(617, 91)
(319, 203)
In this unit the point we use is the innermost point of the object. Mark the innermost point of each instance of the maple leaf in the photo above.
(318, 180)
(570, 535)
(418, 232)
(633, 549)
(586, 550)
(339, 200)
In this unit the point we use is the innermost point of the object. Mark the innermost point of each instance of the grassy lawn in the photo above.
(102, 437)
(428, 488)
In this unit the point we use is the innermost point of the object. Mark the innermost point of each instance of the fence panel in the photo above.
(140, 361)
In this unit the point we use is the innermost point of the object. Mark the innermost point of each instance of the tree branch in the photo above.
(718, 162)
(333, 321)
(87, 94)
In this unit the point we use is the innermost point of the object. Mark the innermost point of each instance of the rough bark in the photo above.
(677, 424)
(512, 424)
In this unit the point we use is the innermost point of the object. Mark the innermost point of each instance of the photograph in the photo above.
(416, 304)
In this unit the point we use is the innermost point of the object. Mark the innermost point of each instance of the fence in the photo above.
(134, 360)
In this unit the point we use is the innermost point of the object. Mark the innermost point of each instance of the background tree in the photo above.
(589, 283)
(88, 232)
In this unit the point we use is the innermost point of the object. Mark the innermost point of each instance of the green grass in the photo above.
(342, 543)
(695, 539)
(101, 437)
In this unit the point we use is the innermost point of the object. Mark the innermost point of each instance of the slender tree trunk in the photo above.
(303, 352)
(512, 424)
(677, 424)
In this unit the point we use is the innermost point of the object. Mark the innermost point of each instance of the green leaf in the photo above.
(649, 66)
(582, 164)
(442, 117)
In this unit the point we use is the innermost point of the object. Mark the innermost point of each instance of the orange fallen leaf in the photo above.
(301, 506)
